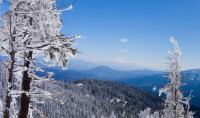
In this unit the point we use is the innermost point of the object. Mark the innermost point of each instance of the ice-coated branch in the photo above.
(38, 111)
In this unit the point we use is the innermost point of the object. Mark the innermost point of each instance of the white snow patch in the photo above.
(111, 100)
(80, 84)
(123, 114)
(118, 100)
(154, 88)
(125, 103)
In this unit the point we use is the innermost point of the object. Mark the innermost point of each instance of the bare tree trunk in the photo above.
(10, 79)
(26, 81)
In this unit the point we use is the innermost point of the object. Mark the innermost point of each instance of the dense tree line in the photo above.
(86, 98)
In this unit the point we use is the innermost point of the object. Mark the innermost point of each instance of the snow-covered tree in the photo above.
(7, 49)
(92, 116)
(147, 114)
(3, 86)
(112, 115)
(174, 102)
(32, 27)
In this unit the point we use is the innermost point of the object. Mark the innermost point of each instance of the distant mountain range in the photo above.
(105, 72)
(100, 72)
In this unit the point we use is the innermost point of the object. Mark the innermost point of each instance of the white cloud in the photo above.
(120, 60)
(92, 59)
(124, 40)
(123, 50)
(123, 60)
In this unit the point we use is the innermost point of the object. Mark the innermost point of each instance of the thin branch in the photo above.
(38, 111)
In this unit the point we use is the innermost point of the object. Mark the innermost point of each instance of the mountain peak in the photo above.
(102, 68)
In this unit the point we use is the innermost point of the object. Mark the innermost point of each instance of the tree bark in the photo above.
(26, 82)
(10, 79)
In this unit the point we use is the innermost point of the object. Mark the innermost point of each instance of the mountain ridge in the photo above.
(100, 72)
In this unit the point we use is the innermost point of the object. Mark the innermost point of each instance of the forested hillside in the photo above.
(84, 98)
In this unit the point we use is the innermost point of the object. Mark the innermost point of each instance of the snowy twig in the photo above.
(38, 111)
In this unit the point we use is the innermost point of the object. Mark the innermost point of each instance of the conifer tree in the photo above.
(174, 106)
(32, 27)
(112, 115)
(174, 102)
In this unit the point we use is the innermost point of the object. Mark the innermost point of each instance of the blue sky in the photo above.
(144, 25)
